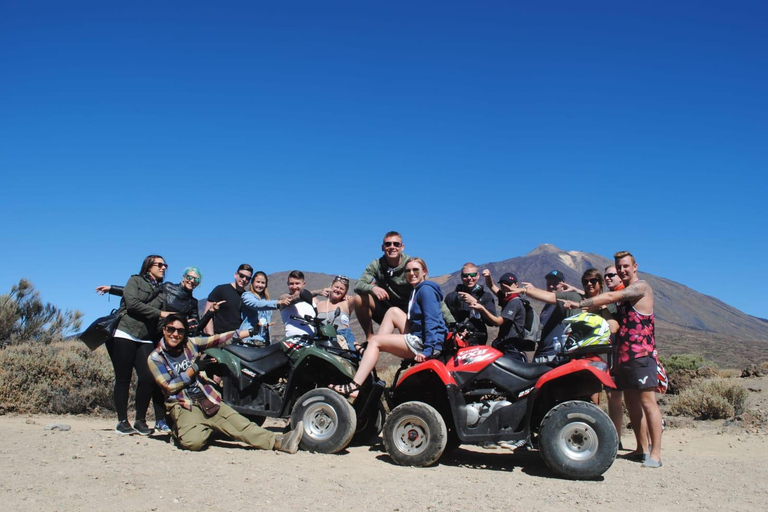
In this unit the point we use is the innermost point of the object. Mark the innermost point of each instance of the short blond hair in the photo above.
(624, 254)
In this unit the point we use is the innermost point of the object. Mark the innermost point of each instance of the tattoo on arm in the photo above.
(634, 291)
(586, 303)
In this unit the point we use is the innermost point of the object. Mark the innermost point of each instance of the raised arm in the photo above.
(632, 293)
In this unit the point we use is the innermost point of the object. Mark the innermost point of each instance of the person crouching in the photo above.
(194, 404)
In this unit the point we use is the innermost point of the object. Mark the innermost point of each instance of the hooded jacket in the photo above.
(425, 318)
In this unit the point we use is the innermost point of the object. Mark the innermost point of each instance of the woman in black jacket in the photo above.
(132, 343)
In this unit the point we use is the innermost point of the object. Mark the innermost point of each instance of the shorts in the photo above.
(414, 343)
(381, 309)
(637, 373)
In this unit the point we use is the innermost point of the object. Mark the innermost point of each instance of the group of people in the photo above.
(162, 334)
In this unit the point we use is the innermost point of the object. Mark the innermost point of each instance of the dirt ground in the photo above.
(707, 466)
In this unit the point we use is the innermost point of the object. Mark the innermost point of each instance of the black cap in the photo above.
(555, 274)
(508, 278)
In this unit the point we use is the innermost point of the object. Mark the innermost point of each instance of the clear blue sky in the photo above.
(294, 134)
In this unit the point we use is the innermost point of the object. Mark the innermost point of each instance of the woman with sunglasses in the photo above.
(142, 309)
(338, 298)
(422, 336)
(257, 309)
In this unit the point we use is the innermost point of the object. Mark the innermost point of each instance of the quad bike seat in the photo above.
(528, 371)
(249, 353)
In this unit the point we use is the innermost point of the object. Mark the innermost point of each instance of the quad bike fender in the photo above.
(344, 366)
(595, 366)
(225, 358)
(432, 365)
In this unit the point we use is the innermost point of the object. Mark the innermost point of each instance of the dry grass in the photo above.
(711, 399)
(60, 378)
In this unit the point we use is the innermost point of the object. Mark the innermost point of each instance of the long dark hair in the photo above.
(148, 262)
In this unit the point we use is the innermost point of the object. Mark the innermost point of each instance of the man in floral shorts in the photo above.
(636, 372)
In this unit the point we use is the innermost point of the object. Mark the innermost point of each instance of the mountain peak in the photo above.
(544, 249)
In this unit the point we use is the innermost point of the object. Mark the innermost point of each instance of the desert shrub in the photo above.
(715, 399)
(61, 377)
(24, 317)
(685, 362)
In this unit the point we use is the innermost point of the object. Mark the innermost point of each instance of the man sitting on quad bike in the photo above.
(423, 327)
(193, 403)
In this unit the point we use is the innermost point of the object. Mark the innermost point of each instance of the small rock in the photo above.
(58, 426)
(30, 422)
(102, 454)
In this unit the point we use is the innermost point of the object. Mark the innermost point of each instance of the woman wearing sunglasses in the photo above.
(423, 328)
(338, 299)
(142, 309)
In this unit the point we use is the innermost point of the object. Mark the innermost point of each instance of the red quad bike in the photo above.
(477, 395)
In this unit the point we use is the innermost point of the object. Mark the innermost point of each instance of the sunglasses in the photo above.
(195, 280)
(160, 265)
(343, 279)
(173, 330)
(468, 274)
(592, 281)
(244, 276)
(392, 244)
(414, 271)
(611, 276)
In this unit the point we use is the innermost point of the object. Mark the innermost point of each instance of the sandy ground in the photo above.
(706, 467)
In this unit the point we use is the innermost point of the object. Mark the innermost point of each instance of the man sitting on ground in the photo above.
(193, 403)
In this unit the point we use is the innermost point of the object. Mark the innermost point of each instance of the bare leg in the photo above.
(653, 416)
(364, 307)
(635, 410)
(390, 343)
(615, 410)
(395, 318)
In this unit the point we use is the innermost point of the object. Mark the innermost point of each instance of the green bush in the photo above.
(715, 399)
(61, 377)
(685, 362)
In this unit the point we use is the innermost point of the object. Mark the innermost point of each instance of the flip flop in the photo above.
(650, 463)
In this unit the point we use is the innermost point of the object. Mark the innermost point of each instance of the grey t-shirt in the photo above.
(180, 364)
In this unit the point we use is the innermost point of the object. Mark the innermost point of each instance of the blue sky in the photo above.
(294, 134)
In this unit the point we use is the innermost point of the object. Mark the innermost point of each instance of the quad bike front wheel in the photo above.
(415, 434)
(329, 420)
(577, 440)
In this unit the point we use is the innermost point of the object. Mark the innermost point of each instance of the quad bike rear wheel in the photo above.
(415, 434)
(329, 420)
(577, 440)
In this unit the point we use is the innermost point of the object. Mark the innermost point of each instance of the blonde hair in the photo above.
(624, 254)
(422, 264)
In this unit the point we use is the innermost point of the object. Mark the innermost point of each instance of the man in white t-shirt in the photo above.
(298, 307)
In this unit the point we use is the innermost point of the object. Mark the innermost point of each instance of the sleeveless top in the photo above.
(636, 337)
(339, 322)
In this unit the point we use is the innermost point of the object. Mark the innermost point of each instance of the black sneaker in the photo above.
(142, 428)
(125, 429)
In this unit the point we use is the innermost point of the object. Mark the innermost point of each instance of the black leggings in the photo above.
(127, 355)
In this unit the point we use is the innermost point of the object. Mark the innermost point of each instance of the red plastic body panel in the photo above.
(577, 365)
(429, 365)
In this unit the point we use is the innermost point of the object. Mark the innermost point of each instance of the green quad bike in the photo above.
(290, 380)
